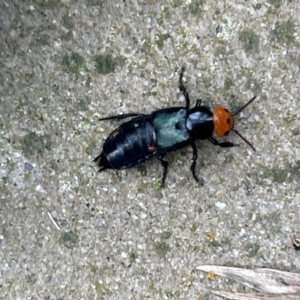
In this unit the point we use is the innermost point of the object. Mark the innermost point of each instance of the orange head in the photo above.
(223, 121)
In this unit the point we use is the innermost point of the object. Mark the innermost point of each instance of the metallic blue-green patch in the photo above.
(165, 119)
(170, 128)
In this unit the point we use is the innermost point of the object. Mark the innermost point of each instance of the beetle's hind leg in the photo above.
(120, 117)
(183, 89)
(193, 165)
(165, 169)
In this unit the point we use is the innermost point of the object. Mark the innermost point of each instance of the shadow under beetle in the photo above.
(163, 131)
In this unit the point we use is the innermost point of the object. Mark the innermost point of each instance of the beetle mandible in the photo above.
(166, 130)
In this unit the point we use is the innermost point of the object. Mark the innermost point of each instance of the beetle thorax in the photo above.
(199, 122)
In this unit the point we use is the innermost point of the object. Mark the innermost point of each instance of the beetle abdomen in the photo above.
(132, 143)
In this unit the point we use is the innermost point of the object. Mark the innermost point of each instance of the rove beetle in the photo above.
(163, 131)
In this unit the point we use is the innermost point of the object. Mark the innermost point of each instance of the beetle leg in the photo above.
(183, 89)
(194, 161)
(224, 144)
(165, 169)
(97, 158)
(198, 103)
(119, 117)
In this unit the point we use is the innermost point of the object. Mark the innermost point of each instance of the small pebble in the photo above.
(28, 166)
(220, 205)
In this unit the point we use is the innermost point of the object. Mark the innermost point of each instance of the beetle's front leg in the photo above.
(194, 161)
(183, 89)
(198, 103)
(223, 144)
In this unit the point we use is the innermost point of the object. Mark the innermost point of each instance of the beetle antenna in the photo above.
(244, 106)
(244, 139)
(236, 113)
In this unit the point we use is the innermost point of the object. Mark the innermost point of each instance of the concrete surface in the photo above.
(116, 235)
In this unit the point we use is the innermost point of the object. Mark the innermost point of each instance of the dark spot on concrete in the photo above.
(72, 63)
(161, 248)
(196, 7)
(69, 239)
(104, 64)
(276, 3)
(83, 103)
(166, 234)
(34, 144)
(249, 40)
(283, 32)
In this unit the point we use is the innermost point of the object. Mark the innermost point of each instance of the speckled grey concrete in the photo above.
(115, 235)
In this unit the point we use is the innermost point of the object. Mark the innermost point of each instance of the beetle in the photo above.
(154, 135)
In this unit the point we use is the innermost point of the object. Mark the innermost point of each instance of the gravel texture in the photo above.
(68, 232)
